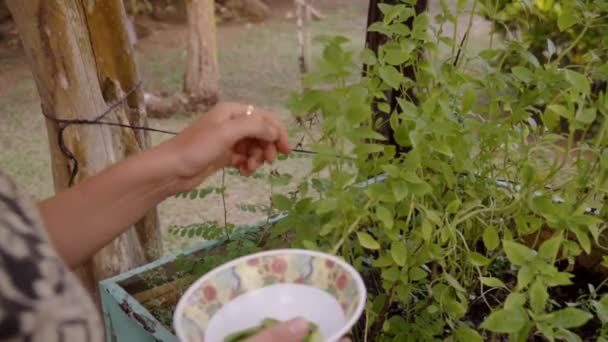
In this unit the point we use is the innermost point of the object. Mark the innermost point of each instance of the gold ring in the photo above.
(249, 110)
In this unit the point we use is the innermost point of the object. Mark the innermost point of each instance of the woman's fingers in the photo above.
(282, 143)
(248, 127)
(237, 159)
(257, 137)
(256, 159)
(270, 153)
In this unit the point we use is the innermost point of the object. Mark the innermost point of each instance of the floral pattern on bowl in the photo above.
(243, 275)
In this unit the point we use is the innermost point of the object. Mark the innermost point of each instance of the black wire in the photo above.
(65, 123)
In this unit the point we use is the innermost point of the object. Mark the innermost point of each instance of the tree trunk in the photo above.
(373, 41)
(255, 10)
(82, 61)
(201, 81)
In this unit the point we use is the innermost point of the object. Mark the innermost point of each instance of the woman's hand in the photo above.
(226, 136)
(115, 198)
(294, 330)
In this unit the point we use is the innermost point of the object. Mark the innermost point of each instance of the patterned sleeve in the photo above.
(40, 300)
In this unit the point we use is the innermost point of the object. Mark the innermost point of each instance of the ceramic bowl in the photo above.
(279, 284)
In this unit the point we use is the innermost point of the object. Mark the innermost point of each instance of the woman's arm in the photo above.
(83, 219)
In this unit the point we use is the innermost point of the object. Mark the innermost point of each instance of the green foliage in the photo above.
(483, 201)
(566, 31)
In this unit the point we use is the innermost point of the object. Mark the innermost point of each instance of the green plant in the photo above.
(567, 31)
(487, 212)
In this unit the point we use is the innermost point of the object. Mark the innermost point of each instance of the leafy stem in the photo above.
(354, 225)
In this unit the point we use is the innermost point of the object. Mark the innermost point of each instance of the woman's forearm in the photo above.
(84, 218)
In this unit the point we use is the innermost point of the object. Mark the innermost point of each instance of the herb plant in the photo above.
(476, 231)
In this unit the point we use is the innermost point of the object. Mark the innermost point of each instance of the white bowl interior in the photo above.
(281, 302)
(278, 284)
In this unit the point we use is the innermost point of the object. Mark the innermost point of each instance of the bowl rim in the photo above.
(356, 276)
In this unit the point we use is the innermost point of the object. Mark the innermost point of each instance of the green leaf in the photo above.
(310, 245)
(453, 206)
(281, 202)
(566, 20)
(420, 26)
(427, 230)
(407, 107)
(417, 274)
(396, 56)
(478, 260)
(399, 188)
(454, 308)
(583, 239)
(549, 249)
(442, 147)
(391, 274)
(525, 275)
(368, 57)
(391, 12)
(586, 116)
(579, 81)
(469, 97)
(517, 253)
(385, 216)
(489, 54)
(601, 308)
(505, 321)
(399, 253)
(380, 27)
(492, 282)
(466, 334)
(568, 318)
(420, 189)
(384, 107)
(392, 170)
(324, 206)
(391, 76)
(515, 300)
(490, 238)
(453, 282)
(523, 74)
(538, 297)
(383, 261)
(367, 241)
(560, 110)
(366, 149)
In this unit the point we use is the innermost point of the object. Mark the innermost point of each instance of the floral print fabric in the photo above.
(40, 300)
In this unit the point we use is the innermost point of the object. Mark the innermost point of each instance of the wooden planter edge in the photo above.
(125, 319)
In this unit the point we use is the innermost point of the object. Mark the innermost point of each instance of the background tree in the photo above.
(82, 62)
(201, 79)
(201, 87)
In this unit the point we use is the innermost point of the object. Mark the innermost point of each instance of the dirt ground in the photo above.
(258, 64)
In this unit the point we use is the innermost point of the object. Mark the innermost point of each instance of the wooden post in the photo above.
(82, 61)
(201, 81)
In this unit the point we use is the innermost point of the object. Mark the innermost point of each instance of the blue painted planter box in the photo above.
(125, 318)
